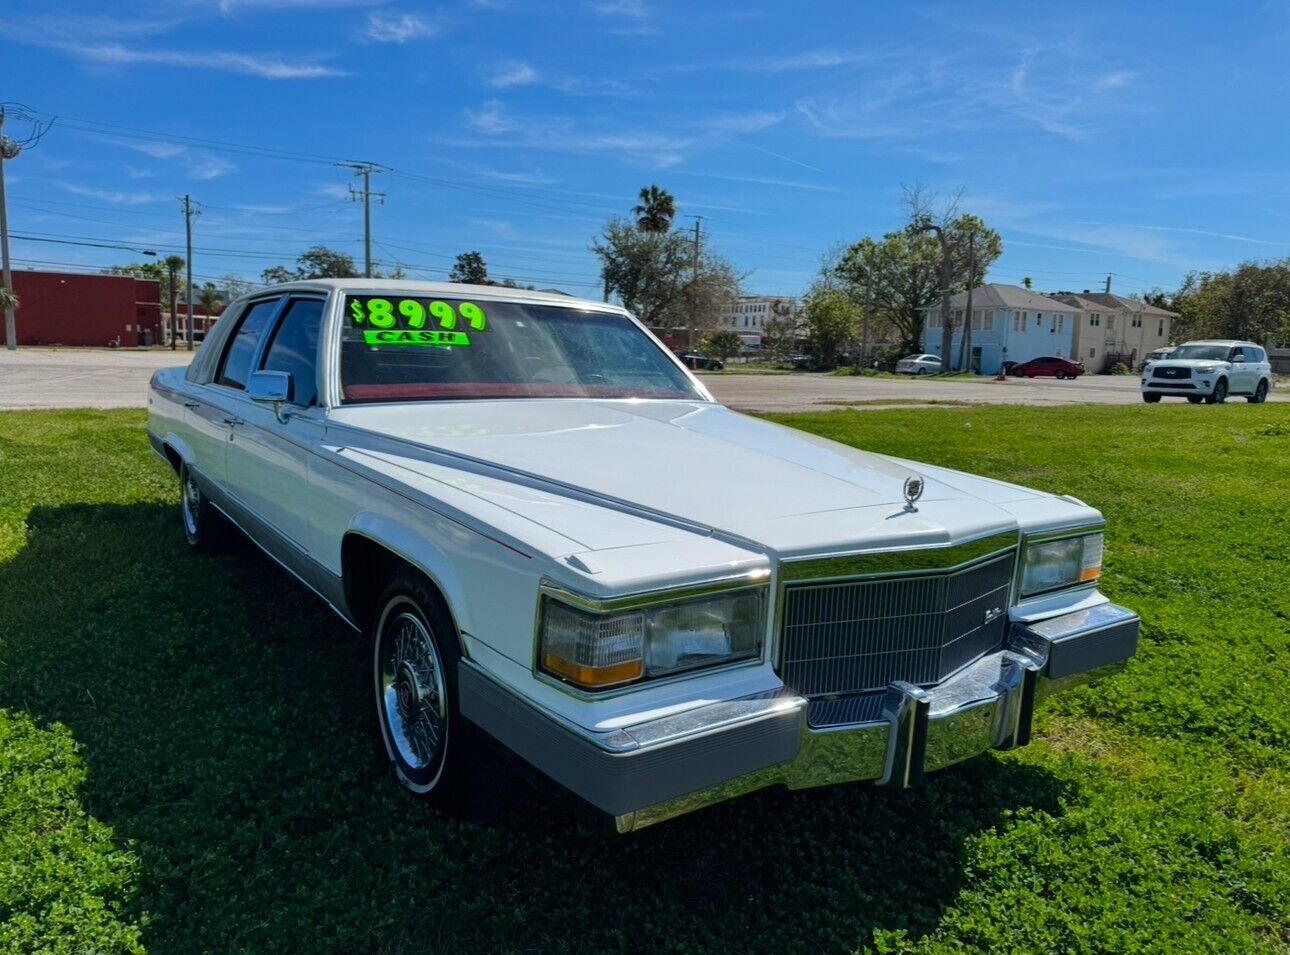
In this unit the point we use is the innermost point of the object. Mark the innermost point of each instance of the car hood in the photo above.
(698, 463)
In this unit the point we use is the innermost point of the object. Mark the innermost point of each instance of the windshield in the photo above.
(399, 348)
(1207, 352)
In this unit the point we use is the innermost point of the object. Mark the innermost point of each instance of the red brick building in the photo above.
(65, 308)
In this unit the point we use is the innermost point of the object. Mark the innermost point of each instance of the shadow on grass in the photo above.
(223, 717)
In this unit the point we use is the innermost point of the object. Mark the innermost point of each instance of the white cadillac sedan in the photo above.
(554, 537)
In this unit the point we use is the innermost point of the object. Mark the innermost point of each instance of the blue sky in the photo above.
(1138, 139)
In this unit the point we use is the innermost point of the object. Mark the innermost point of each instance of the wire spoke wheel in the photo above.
(191, 503)
(413, 695)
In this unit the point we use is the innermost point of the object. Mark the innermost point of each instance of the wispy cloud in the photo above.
(916, 102)
(534, 178)
(627, 17)
(1186, 231)
(265, 66)
(232, 6)
(114, 196)
(661, 147)
(513, 74)
(762, 181)
(400, 28)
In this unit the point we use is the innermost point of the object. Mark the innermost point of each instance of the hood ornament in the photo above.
(913, 491)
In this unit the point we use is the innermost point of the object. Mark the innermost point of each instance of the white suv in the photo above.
(1209, 372)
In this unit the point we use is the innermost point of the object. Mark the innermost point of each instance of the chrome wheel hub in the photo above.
(192, 499)
(412, 691)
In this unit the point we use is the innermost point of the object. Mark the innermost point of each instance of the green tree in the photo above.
(722, 344)
(655, 211)
(316, 262)
(1251, 301)
(832, 319)
(320, 262)
(8, 299)
(235, 286)
(470, 269)
(653, 274)
(210, 297)
(898, 276)
(276, 275)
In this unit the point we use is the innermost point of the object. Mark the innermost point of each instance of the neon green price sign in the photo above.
(413, 314)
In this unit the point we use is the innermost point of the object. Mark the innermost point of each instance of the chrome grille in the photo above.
(1170, 371)
(857, 636)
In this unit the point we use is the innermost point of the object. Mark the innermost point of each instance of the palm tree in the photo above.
(173, 264)
(7, 299)
(656, 210)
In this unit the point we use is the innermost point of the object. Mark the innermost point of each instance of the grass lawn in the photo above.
(186, 762)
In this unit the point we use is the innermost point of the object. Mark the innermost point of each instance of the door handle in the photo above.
(234, 422)
(192, 404)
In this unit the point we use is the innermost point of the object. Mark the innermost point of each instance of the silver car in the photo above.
(919, 365)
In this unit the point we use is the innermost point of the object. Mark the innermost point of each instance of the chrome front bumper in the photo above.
(664, 768)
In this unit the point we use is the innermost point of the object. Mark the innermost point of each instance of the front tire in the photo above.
(1260, 394)
(1195, 399)
(434, 752)
(1219, 394)
(1150, 398)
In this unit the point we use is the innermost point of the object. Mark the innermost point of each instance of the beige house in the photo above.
(1113, 327)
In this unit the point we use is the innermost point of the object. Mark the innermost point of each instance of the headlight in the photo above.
(594, 650)
(1066, 562)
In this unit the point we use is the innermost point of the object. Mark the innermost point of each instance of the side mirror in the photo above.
(1237, 358)
(270, 387)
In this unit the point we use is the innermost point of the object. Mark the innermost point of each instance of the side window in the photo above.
(235, 366)
(294, 348)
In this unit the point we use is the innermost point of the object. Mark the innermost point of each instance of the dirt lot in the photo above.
(105, 378)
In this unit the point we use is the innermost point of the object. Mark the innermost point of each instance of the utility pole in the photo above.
(694, 282)
(8, 150)
(365, 169)
(1108, 283)
(965, 346)
(189, 212)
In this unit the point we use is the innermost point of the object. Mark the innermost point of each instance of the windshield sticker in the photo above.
(415, 314)
(414, 336)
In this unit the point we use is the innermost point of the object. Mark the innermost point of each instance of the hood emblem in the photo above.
(913, 491)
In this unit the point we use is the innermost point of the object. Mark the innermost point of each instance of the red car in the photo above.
(1048, 368)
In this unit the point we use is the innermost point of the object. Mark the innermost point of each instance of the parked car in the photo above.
(1048, 367)
(701, 362)
(1210, 371)
(1156, 355)
(531, 510)
(919, 365)
(797, 361)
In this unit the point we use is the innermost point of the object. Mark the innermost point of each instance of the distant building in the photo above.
(1116, 330)
(750, 314)
(72, 308)
(1009, 323)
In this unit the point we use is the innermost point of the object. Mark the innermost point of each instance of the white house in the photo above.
(1009, 323)
(749, 315)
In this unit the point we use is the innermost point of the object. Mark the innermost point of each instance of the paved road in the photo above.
(106, 378)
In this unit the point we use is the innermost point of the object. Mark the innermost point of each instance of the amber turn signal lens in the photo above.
(592, 677)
